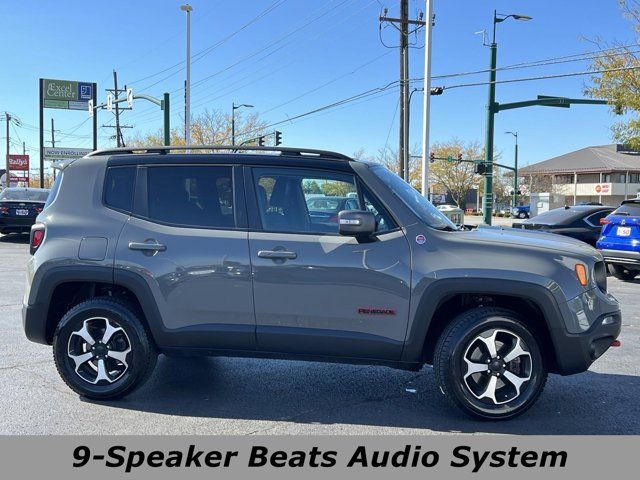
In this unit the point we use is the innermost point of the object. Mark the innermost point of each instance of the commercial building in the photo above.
(607, 174)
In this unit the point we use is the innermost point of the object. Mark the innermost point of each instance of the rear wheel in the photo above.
(522, 215)
(622, 273)
(489, 365)
(102, 350)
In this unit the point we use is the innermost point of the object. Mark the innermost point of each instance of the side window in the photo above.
(595, 218)
(191, 196)
(384, 223)
(118, 187)
(292, 200)
(351, 204)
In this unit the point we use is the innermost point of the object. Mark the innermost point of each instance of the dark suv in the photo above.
(144, 252)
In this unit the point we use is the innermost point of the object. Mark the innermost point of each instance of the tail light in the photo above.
(4, 210)
(333, 219)
(36, 238)
(38, 209)
(604, 221)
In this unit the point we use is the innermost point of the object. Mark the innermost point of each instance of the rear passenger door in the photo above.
(317, 292)
(187, 238)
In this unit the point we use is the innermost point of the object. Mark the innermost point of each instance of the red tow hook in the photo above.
(616, 343)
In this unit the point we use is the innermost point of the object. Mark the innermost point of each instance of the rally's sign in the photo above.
(54, 154)
(66, 94)
(18, 162)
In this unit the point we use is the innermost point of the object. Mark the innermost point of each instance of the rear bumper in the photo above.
(16, 224)
(34, 322)
(622, 257)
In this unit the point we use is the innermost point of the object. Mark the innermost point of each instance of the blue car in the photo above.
(521, 211)
(620, 240)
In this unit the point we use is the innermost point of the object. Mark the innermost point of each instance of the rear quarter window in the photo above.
(118, 188)
(631, 209)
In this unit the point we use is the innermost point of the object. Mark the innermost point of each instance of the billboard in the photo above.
(18, 162)
(66, 94)
(53, 154)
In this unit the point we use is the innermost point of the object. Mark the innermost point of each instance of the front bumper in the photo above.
(592, 322)
(621, 257)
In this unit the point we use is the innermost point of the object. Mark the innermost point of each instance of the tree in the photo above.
(621, 87)
(207, 128)
(455, 177)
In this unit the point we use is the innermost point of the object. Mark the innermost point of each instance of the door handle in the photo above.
(277, 254)
(147, 247)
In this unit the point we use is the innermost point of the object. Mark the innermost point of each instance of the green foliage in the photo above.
(621, 87)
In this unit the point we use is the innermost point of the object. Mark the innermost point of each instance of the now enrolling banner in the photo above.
(452, 456)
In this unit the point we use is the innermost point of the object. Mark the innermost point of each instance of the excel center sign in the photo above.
(67, 94)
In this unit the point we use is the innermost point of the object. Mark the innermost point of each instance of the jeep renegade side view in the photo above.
(225, 253)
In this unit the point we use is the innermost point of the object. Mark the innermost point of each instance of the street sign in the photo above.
(90, 105)
(18, 162)
(66, 94)
(130, 97)
(54, 154)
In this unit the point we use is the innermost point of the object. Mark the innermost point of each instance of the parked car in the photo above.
(620, 240)
(134, 256)
(521, 211)
(581, 222)
(19, 208)
(326, 209)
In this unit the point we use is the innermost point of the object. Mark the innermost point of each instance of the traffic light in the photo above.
(459, 157)
(261, 141)
(437, 90)
(278, 138)
(432, 157)
(481, 168)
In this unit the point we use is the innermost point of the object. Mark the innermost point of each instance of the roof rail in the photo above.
(163, 150)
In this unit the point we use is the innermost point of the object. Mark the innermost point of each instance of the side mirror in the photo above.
(356, 223)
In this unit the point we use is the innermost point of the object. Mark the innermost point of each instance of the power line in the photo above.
(543, 77)
(202, 53)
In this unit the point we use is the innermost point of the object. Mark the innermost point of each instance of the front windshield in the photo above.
(25, 194)
(412, 199)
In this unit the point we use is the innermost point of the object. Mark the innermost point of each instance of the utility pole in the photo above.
(118, 127)
(187, 91)
(427, 99)
(402, 24)
(7, 182)
(53, 135)
(404, 89)
(24, 148)
(119, 141)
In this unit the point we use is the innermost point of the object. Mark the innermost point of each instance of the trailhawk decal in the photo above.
(376, 311)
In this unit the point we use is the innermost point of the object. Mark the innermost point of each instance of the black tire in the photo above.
(121, 378)
(622, 273)
(461, 338)
(522, 215)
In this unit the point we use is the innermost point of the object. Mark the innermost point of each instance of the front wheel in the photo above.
(522, 215)
(102, 350)
(622, 273)
(489, 365)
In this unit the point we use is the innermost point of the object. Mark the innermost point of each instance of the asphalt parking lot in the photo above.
(245, 396)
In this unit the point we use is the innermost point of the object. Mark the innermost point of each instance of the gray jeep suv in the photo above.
(217, 253)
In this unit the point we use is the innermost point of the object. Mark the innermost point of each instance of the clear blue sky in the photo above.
(279, 62)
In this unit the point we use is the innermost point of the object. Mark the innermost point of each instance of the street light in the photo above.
(234, 107)
(187, 87)
(515, 171)
(487, 200)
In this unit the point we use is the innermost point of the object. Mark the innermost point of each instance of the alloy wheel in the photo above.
(99, 351)
(499, 365)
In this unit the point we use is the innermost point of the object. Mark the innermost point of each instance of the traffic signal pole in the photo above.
(487, 198)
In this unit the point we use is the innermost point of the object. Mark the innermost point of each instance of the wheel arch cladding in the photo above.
(444, 299)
